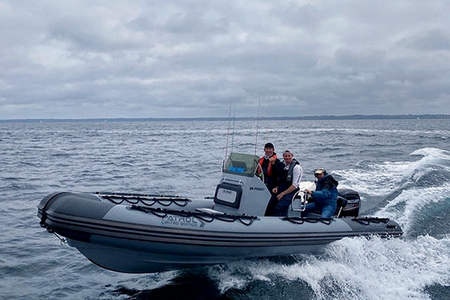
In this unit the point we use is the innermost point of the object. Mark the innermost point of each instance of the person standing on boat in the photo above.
(325, 195)
(288, 183)
(270, 166)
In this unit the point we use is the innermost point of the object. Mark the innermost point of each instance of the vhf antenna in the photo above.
(228, 133)
(257, 124)
(232, 134)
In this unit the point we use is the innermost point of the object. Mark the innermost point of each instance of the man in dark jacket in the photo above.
(271, 167)
(325, 195)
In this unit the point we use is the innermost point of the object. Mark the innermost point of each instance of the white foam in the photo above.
(384, 178)
(357, 268)
(228, 277)
(405, 206)
(377, 179)
(432, 157)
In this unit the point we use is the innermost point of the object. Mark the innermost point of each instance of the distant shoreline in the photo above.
(320, 117)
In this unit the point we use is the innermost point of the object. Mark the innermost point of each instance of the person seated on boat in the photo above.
(325, 195)
(288, 183)
(271, 166)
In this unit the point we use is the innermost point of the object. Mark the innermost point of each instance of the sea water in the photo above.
(400, 167)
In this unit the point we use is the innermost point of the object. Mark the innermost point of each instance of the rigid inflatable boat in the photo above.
(144, 233)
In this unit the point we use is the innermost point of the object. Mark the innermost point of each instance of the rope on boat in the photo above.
(327, 221)
(206, 217)
(62, 241)
(368, 220)
(146, 199)
(302, 220)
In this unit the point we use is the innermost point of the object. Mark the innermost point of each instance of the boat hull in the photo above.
(135, 239)
(152, 258)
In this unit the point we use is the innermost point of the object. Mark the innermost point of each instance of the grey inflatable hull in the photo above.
(153, 237)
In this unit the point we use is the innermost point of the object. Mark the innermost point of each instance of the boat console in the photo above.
(240, 191)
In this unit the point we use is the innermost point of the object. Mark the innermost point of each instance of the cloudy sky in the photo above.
(88, 59)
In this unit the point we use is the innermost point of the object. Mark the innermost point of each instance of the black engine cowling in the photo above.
(348, 203)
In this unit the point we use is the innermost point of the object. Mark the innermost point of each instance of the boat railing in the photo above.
(145, 199)
(299, 201)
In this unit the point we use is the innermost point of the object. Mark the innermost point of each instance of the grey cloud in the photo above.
(434, 39)
(194, 58)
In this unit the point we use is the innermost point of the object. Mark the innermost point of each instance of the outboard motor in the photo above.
(241, 190)
(348, 203)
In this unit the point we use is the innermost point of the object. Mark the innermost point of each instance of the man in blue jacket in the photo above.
(325, 195)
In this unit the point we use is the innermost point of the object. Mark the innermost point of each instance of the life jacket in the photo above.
(288, 174)
(269, 165)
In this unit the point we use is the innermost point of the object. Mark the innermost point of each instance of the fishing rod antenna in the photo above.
(257, 122)
(228, 133)
(232, 133)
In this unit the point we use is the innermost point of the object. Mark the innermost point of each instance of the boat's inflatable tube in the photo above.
(142, 234)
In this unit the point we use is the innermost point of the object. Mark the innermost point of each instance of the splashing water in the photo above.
(355, 268)
(382, 179)
(409, 203)
(360, 268)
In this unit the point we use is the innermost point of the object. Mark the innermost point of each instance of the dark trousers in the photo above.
(271, 206)
(283, 204)
(279, 207)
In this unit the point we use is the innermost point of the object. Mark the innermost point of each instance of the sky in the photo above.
(158, 59)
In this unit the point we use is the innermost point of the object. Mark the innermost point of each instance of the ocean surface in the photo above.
(400, 167)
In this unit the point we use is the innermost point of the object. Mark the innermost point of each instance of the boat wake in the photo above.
(408, 189)
(416, 195)
(414, 203)
(354, 268)
(387, 177)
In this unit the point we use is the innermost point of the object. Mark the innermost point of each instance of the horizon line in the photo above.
(314, 117)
